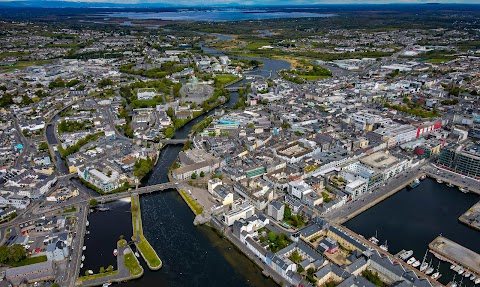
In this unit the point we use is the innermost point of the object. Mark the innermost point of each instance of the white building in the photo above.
(239, 211)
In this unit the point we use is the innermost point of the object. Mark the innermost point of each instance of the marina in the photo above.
(465, 260)
(405, 230)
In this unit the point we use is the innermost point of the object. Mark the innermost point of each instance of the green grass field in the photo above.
(96, 276)
(132, 264)
(313, 78)
(194, 206)
(225, 79)
(147, 250)
(28, 261)
(255, 45)
(438, 61)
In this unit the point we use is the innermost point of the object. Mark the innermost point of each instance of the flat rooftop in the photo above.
(379, 160)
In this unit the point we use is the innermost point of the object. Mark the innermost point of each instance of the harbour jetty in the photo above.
(447, 250)
(128, 269)
(471, 217)
(143, 246)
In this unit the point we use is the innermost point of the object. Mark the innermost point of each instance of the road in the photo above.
(352, 208)
(73, 266)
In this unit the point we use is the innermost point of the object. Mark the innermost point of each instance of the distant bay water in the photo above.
(218, 15)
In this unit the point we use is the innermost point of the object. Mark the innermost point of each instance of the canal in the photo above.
(410, 220)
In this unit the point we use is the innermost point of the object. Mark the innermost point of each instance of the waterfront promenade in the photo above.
(449, 177)
(366, 201)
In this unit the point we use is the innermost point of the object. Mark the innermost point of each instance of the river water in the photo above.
(410, 220)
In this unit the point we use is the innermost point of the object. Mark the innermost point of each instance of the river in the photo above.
(192, 256)
(410, 220)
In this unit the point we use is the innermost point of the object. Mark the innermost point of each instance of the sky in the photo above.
(261, 2)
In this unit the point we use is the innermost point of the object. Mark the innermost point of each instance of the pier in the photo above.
(447, 250)
(143, 246)
(471, 217)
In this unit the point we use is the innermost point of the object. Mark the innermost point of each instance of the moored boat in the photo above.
(115, 252)
(414, 184)
(384, 246)
(411, 261)
(416, 264)
(477, 281)
(439, 180)
(405, 255)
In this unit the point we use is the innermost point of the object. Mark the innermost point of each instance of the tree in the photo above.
(202, 174)
(4, 252)
(194, 176)
(272, 236)
(86, 273)
(109, 268)
(300, 269)
(102, 269)
(55, 285)
(43, 146)
(169, 132)
(17, 253)
(121, 237)
(93, 202)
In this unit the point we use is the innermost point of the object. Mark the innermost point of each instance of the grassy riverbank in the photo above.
(194, 206)
(142, 244)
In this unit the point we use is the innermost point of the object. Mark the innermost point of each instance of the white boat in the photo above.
(384, 246)
(477, 281)
(136, 254)
(411, 261)
(450, 185)
(374, 239)
(453, 284)
(81, 265)
(90, 272)
(115, 252)
(473, 277)
(439, 181)
(405, 255)
(83, 257)
(424, 263)
(467, 274)
(452, 266)
(106, 284)
(430, 268)
(437, 272)
(464, 190)
(416, 264)
(84, 248)
(87, 224)
(460, 271)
